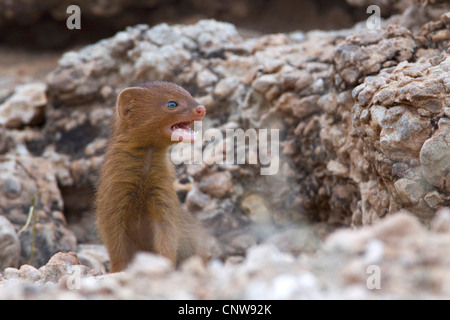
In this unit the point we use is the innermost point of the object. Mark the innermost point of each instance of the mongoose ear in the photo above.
(127, 99)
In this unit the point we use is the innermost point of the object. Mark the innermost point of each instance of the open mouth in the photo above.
(182, 131)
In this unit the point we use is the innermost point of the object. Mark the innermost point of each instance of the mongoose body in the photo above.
(137, 206)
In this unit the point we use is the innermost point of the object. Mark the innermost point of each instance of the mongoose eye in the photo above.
(172, 104)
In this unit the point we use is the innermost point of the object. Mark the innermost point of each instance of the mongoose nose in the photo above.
(200, 110)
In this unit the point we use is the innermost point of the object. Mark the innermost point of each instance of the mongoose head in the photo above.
(157, 113)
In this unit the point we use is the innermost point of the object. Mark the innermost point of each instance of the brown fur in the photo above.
(137, 206)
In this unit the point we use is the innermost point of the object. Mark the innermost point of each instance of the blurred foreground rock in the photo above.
(395, 258)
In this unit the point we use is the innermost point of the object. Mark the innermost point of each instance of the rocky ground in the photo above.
(363, 120)
(396, 258)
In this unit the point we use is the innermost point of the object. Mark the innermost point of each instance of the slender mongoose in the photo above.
(137, 206)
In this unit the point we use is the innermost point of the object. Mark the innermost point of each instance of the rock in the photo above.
(353, 60)
(3, 141)
(62, 259)
(29, 273)
(217, 184)
(389, 230)
(60, 265)
(13, 188)
(434, 157)
(441, 222)
(257, 209)
(409, 190)
(93, 256)
(225, 87)
(25, 106)
(343, 267)
(206, 78)
(290, 103)
(241, 243)
(11, 273)
(337, 168)
(155, 52)
(434, 199)
(295, 240)
(260, 257)
(265, 82)
(29, 178)
(195, 266)
(405, 135)
(398, 129)
(400, 225)
(347, 241)
(196, 200)
(10, 247)
(150, 265)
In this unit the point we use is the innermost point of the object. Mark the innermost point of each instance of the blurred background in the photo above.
(40, 25)
(33, 33)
